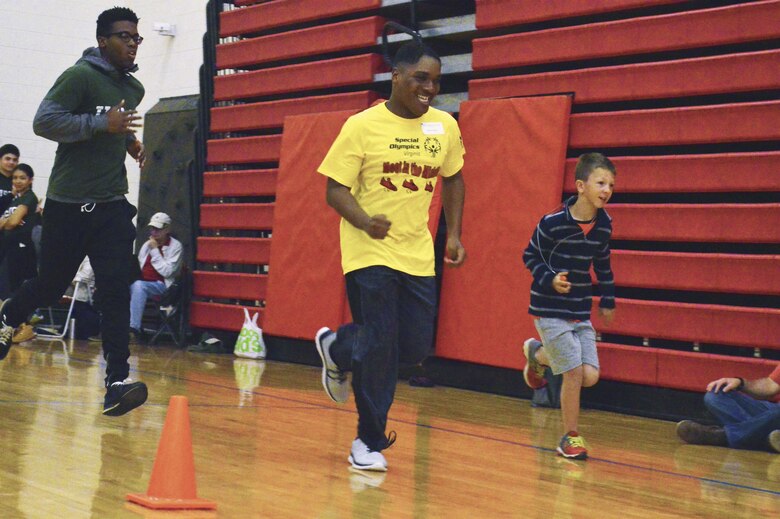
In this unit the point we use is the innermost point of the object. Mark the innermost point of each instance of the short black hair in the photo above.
(115, 14)
(27, 169)
(411, 52)
(588, 162)
(5, 149)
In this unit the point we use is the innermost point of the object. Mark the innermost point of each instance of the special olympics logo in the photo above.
(432, 146)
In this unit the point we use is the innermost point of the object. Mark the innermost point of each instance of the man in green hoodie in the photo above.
(91, 112)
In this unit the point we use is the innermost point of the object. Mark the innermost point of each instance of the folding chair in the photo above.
(171, 309)
(71, 300)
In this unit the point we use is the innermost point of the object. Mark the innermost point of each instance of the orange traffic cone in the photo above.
(172, 485)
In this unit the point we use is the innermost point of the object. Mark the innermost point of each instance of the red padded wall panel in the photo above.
(217, 316)
(287, 12)
(699, 28)
(257, 182)
(499, 13)
(271, 114)
(724, 273)
(515, 152)
(229, 285)
(676, 126)
(721, 172)
(305, 284)
(745, 72)
(252, 251)
(715, 324)
(237, 216)
(352, 34)
(243, 150)
(738, 223)
(352, 70)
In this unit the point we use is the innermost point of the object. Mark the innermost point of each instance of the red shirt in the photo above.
(775, 375)
(148, 272)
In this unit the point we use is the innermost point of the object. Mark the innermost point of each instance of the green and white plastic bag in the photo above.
(250, 344)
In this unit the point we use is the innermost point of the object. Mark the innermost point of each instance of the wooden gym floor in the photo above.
(268, 443)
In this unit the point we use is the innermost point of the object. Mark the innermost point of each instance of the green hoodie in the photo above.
(90, 162)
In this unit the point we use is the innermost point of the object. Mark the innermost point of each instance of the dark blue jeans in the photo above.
(393, 318)
(747, 421)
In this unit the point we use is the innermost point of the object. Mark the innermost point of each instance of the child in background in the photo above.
(562, 249)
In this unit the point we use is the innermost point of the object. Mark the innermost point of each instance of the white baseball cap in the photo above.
(160, 220)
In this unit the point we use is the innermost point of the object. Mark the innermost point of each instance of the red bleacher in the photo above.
(260, 182)
(744, 72)
(230, 285)
(684, 93)
(704, 323)
(271, 114)
(279, 13)
(502, 13)
(219, 316)
(305, 42)
(237, 216)
(338, 72)
(268, 33)
(701, 272)
(647, 34)
(675, 126)
(250, 251)
(716, 172)
(733, 223)
(243, 150)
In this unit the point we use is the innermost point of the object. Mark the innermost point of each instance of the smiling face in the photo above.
(597, 189)
(414, 87)
(120, 53)
(21, 182)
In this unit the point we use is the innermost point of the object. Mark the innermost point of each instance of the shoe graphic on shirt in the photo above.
(429, 187)
(410, 185)
(389, 185)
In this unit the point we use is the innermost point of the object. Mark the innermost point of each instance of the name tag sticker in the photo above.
(433, 128)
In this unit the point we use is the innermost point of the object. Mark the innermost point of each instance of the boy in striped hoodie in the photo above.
(562, 249)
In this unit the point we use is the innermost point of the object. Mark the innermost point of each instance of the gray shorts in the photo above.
(568, 344)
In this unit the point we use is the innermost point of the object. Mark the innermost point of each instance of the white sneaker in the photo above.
(333, 379)
(363, 458)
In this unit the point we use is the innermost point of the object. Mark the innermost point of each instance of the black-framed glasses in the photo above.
(127, 37)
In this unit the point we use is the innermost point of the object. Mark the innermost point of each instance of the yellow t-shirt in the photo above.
(391, 166)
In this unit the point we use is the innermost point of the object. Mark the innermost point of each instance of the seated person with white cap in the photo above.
(160, 261)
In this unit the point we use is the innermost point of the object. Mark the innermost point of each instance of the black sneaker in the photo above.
(124, 396)
(6, 338)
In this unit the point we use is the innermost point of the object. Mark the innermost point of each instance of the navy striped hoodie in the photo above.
(559, 245)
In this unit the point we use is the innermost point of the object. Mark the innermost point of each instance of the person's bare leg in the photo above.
(590, 375)
(541, 357)
(570, 399)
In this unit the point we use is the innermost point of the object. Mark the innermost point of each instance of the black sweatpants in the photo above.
(104, 232)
